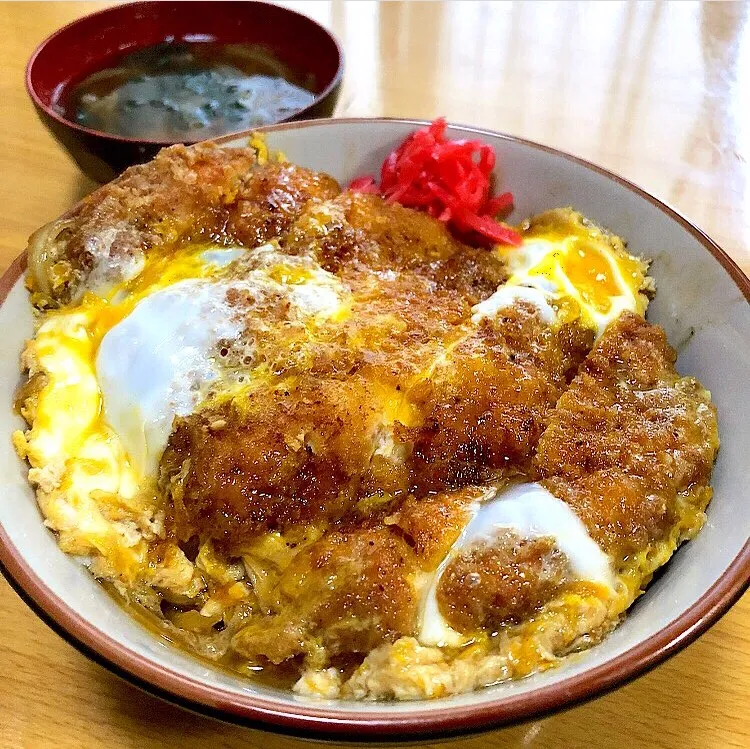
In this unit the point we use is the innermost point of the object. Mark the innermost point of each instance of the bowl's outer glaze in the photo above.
(703, 304)
(95, 41)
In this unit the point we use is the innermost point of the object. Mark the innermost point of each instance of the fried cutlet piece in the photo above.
(501, 582)
(629, 439)
(178, 195)
(308, 448)
(282, 455)
(623, 513)
(348, 592)
(489, 583)
(486, 404)
(629, 448)
(393, 323)
(270, 199)
(357, 231)
(629, 409)
(432, 523)
(198, 194)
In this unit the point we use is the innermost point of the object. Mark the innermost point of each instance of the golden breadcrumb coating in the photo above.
(628, 437)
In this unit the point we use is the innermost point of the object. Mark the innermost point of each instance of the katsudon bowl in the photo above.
(702, 302)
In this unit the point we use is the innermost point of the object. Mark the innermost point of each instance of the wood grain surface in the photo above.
(658, 92)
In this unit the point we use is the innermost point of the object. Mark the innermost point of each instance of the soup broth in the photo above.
(188, 91)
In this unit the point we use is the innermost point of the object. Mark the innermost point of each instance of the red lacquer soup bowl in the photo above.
(99, 40)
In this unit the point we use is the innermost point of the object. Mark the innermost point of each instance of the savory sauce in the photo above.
(187, 91)
(212, 647)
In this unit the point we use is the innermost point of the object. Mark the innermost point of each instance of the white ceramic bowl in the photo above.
(702, 301)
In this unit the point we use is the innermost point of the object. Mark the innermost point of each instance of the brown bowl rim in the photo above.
(386, 725)
(51, 112)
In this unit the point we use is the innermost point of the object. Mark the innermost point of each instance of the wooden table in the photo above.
(653, 91)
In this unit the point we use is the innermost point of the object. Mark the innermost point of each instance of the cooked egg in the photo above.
(155, 364)
(532, 512)
(570, 271)
(508, 295)
(118, 367)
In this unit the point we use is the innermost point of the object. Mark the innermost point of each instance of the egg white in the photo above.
(155, 364)
(530, 511)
